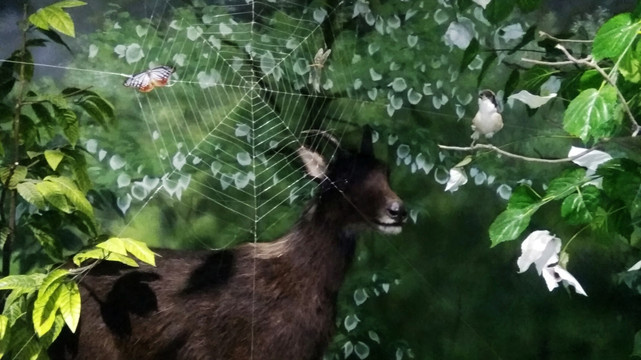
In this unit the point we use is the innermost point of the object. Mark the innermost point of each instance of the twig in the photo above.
(512, 155)
(589, 62)
(543, 34)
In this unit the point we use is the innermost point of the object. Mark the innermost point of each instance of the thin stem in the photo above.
(543, 34)
(512, 155)
(13, 197)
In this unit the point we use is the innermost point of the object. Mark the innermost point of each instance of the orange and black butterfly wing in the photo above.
(159, 76)
(141, 81)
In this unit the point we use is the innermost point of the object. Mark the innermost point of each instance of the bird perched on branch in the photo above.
(487, 120)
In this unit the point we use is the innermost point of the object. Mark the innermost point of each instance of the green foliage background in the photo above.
(447, 288)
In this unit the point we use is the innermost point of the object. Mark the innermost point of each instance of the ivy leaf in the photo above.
(578, 208)
(510, 224)
(615, 36)
(593, 114)
(69, 301)
(54, 157)
(565, 184)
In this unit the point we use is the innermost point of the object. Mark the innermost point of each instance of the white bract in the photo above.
(591, 161)
(531, 100)
(458, 34)
(457, 178)
(542, 249)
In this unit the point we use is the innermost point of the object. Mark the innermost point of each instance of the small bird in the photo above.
(487, 120)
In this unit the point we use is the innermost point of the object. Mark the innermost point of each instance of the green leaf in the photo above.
(29, 192)
(69, 3)
(512, 81)
(54, 157)
(578, 208)
(636, 350)
(593, 114)
(72, 193)
(565, 184)
(70, 304)
(12, 176)
(48, 243)
(69, 122)
(510, 224)
(44, 116)
(486, 65)
(53, 36)
(630, 65)
(4, 335)
(615, 37)
(39, 19)
(47, 301)
(98, 108)
(523, 197)
(469, 54)
(100, 254)
(526, 39)
(498, 10)
(48, 339)
(79, 169)
(533, 78)
(7, 78)
(23, 283)
(54, 195)
(528, 5)
(136, 248)
(53, 17)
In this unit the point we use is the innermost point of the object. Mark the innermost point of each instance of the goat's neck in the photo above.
(322, 245)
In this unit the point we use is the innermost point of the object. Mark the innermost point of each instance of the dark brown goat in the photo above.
(256, 301)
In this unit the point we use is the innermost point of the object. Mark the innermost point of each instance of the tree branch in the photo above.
(512, 155)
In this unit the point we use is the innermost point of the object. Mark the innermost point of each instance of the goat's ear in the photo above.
(367, 148)
(315, 165)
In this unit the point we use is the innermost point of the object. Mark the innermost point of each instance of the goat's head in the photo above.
(354, 188)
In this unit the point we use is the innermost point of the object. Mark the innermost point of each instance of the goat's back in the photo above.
(226, 304)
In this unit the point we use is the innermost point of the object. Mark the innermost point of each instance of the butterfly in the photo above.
(148, 80)
(317, 67)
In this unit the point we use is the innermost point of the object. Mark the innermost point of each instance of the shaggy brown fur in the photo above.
(256, 301)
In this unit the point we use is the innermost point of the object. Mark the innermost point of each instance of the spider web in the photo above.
(243, 96)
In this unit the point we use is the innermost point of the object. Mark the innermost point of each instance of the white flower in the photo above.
(538, 248)
(457, 178)
(542, 249)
